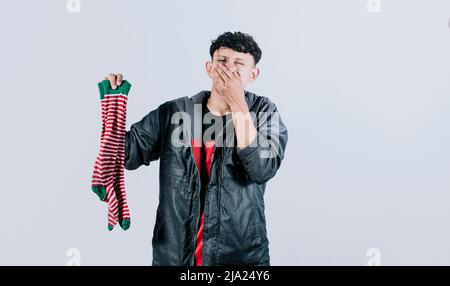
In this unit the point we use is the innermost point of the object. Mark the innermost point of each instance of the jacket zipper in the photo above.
(194, 243)
(218, 201)
(204, 208)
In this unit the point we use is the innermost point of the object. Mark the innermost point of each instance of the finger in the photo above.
(237, 75)
(112, 80)
(215, 75)
(226, 71)
(232, 74)
(119, 79)
(218, 82)
(222, 75)
(216, 79)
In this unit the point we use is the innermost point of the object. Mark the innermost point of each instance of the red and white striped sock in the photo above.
(103, 178)
(108, 177)
(119, 176)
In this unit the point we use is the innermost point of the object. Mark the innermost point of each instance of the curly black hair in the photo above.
(238, 42)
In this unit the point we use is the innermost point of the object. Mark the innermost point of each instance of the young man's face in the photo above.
(242, 63)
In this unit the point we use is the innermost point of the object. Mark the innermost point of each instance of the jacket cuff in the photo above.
(252, 147)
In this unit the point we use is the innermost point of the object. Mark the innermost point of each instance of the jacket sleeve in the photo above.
(262, 157)
(142, 141)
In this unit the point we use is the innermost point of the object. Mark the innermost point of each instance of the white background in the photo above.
(365, 97)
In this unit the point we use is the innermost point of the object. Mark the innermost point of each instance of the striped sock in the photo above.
(103, 177)
(108, 177)
(119, 176)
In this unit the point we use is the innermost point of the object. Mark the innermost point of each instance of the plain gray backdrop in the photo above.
(365, 96)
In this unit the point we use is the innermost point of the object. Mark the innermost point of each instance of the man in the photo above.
(218, 149)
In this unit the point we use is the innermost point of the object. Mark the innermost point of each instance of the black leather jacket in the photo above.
(235, 226)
